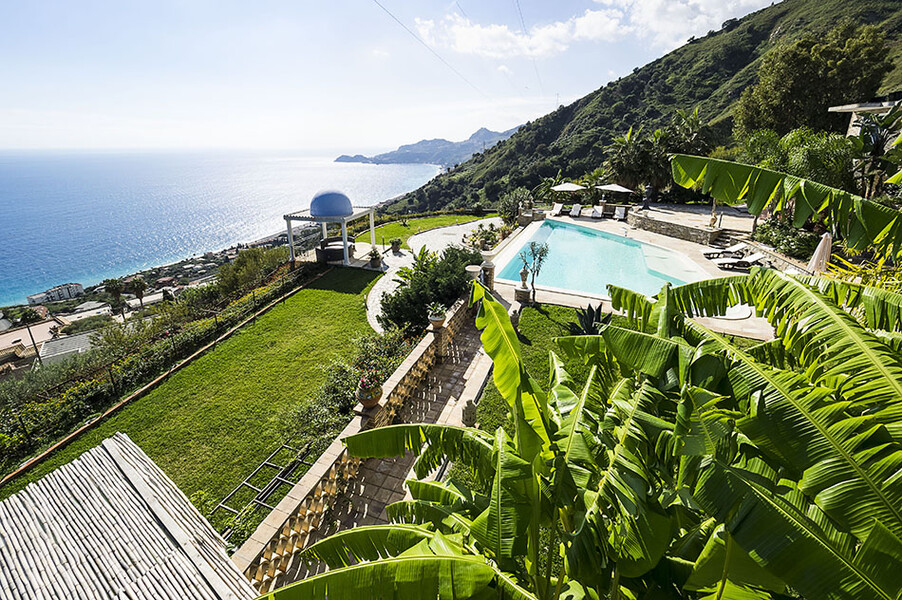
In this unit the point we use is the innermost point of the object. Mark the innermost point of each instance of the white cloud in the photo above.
(377, 53)
(505, 69)
(669, 23)
(499, 41)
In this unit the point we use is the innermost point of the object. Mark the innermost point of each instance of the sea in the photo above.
(86, 216)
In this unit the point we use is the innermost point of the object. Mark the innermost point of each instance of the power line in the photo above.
(428, 47)
(461, 9)
(535, 66)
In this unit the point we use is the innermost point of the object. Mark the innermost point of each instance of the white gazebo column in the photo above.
(344, 241)
(373, 228)
(325, 230)
(290, 240)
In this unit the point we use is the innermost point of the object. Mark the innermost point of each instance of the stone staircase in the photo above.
(728, 237)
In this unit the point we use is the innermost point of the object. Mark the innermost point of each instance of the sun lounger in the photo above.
(576, 210)
(620, 213)
(734, 251)
(598, 211)
(745, 263)
(556, 209)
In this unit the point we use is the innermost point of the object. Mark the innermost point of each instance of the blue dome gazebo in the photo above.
(332, 207)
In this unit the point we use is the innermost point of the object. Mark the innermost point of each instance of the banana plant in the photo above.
(683, 467)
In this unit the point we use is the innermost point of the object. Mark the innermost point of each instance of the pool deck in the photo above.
(744, 324)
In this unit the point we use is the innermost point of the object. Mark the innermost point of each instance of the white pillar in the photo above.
(325, 230)
(373, 227)
(290, 240)
(344, 241)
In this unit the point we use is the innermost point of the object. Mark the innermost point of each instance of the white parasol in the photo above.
(821, 256)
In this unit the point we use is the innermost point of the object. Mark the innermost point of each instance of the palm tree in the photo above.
(113, 287)
(137, 286)
(684, 467)
(28, 317)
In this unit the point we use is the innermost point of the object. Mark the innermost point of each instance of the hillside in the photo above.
(708, 72)
(435, 152)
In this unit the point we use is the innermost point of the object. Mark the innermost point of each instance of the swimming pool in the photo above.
(586, 260)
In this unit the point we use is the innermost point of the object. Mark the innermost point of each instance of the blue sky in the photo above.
(334, 75)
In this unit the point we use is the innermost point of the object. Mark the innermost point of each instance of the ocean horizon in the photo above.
(84, 216)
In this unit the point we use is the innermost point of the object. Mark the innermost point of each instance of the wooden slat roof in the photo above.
(110, 524)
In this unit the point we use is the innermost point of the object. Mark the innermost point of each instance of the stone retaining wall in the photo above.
(701, 236)
(266, 556)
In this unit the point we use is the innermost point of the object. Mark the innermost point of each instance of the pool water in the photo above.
(587, 260)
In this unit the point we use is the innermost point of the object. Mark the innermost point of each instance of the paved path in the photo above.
(439, 399)
(435, 240)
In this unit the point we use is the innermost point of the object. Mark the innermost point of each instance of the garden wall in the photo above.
(267, 555)
(683, 232)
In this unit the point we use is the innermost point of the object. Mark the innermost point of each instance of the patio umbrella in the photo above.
(613, 187)
(821, 256)
(568, 187)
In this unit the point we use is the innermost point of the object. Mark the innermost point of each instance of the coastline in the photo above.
(272, 240)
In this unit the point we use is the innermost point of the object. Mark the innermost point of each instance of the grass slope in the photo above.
(414, 226)
(709, 73)
(214, 421)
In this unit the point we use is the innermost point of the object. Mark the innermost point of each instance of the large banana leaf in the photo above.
(773, 523)
(500, 342)
(863, 222)
(501, 528)
(711, 297)
(422, 512)
(414, 576)
(359, 544)
(460, 444)
(636, 307)
(848, 464)
(882, 308)
(834, 348)
(722, 562)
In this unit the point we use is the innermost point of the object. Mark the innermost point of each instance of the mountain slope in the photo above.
(709, 72)
(437, 151)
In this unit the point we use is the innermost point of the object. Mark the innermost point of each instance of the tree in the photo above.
(113, 287)
(510, 204)
(824, 157)
(533, 258)
(685, 467)
(29, 316)
(137, 286)
(798, 81)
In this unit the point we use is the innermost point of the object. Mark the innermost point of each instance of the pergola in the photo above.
(331, 207)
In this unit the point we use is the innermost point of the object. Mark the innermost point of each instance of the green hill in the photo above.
(708, 72)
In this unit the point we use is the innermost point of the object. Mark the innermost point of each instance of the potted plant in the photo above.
(369, 388)
(395, 244)
(436, 312)
(375, 258)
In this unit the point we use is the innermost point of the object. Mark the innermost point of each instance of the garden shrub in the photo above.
(779, 233)
(443, 282)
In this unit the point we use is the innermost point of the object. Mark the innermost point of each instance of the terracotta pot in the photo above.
(375, 263)
(396, 247)
(369, 397)
(437, 320)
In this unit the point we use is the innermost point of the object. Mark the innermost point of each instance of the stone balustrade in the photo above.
(268, 554)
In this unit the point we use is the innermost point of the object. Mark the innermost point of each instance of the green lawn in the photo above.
(414, 226)
(213, 422)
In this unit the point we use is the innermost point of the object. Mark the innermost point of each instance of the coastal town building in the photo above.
(62, 348)
(111, 524)
(66, 291)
